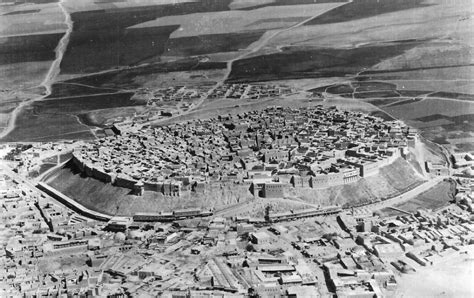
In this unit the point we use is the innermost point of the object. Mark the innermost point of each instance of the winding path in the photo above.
(50, 75)
(253, 48)
(258, 45)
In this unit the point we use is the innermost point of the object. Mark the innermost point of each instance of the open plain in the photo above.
(243, 148)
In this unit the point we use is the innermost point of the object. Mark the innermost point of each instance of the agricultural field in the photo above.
(225, 31)
(59, 118)
(149, 75)
(89, 36)
(27, 48)
(23, 76)
(397, 59)
(43, 18)
(443, 121)
(363, 9)
(133, 33)
(314, 61)
(434, 19)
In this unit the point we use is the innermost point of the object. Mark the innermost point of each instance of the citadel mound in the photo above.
(274, 153)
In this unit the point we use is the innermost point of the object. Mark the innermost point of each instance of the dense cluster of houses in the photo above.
(48, 250)
(170, 94)
(154, 96)
(269, 150)
(36, 233)
(249, 91)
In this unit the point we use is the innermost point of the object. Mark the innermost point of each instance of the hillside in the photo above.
(107, 198)
(391, 181)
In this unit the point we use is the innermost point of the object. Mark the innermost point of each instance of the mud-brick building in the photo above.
(267, 189)
(272, 190)
(275, 155)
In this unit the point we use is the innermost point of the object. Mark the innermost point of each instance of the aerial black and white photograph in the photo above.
(237, 148)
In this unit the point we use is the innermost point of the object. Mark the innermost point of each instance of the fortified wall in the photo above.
(167, 187)
(325, 180)
(312, 147)
(362, 168)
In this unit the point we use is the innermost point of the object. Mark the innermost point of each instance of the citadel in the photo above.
(268, 150)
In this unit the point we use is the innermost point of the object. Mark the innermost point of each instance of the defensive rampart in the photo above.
(169, 188)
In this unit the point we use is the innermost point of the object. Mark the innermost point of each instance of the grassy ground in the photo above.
(43, 168)
(435, 198)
